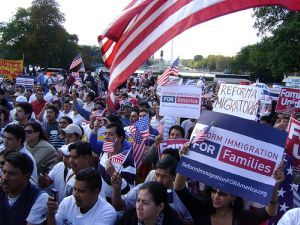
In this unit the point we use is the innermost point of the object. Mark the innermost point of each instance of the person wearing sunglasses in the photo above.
(218, 207)
(37, 144)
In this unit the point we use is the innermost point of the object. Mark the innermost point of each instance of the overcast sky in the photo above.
(225, 35)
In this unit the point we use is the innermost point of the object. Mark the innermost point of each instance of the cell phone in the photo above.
(44, 170)
(54, 194)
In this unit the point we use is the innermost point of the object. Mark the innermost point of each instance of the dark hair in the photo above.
(172, 152)
(70, 121)
(27, 108)
(82, 148)
(146, 111)
(55, 110)
(119, 129)
(124, 95)
(91, 177)
(137, 111)
(168, 162)
(67, 102)
(141, 104)
(91, 95)
(236, 206)
(160, 195)
(38, 128)
(20, 161)
(16, 130)
(266, 118)
(114, 119)
(177, 127)
(157, 190)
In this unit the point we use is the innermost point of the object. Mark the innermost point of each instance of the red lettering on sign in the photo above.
(187, 100)
(247, 161)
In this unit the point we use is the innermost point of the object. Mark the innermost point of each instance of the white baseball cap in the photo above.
(21, 99)
(65, 150)
(73, 128)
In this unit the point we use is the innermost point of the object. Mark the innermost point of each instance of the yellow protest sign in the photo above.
(11, 68)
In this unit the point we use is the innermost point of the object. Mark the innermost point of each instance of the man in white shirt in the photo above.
(84, 206)
(89, 101)
(291, 217)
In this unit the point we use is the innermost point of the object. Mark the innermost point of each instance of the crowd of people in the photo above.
(54, 169)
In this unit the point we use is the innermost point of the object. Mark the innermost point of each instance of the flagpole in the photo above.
(124, 161)
(172, 50)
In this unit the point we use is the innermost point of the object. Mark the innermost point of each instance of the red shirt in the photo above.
(38, 106)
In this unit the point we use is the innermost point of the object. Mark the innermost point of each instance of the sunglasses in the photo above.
(220, 193)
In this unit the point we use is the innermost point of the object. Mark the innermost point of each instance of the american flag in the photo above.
(139, 147)
(118, 160)
(202, 134)
(140, 132)
(76, 62)
(108, 146)
(142, 126)
(144, 26)
(285, 193)
(171, 70)
(81, 68)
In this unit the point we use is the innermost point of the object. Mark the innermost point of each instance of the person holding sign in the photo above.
(219, 207)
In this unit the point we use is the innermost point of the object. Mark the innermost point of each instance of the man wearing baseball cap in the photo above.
(73, 133)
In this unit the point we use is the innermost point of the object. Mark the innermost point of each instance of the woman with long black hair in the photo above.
(152, 207)
(220, 208)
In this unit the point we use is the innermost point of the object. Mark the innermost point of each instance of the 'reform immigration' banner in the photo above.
(180, 101)
(11, 68)
(238, 156)
(238, 100)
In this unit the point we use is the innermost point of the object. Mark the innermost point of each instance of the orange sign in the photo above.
(11, 68)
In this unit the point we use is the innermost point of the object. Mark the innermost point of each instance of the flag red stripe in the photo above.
(193, 19)
(149, 28)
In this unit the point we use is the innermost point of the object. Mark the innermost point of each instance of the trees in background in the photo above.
(38, 35)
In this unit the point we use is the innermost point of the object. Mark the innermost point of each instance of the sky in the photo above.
(222, 36)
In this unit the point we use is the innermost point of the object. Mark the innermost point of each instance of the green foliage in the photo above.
(277, 54)
(38, 34)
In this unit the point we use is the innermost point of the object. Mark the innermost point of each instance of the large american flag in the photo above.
(76, 62)
(202, 134)
(140, 132)
(144, 26)
(285, 193)
(171, 70)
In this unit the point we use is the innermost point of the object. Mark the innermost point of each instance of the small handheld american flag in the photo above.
(76, 61)
(108, 146)
(202, 134)
(171, 70)
(118, 160)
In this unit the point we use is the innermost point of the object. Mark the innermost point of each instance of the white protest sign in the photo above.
(26, 82)
(238, 100)
(180, 101)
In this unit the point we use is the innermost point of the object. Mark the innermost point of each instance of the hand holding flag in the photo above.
(202, 134)
(118, 160)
